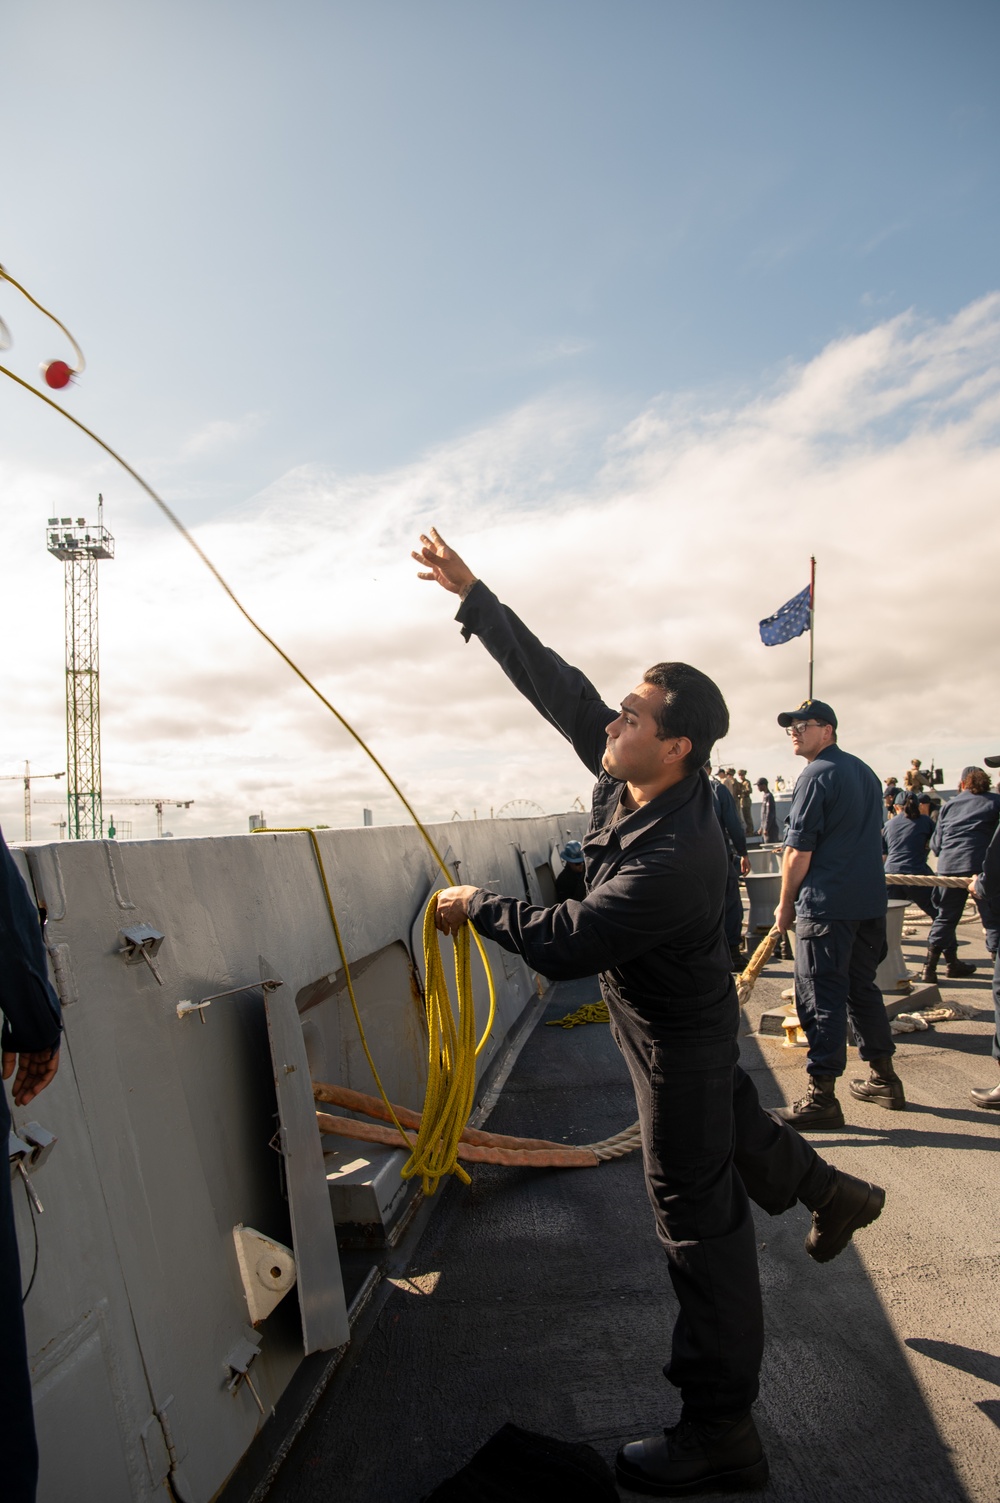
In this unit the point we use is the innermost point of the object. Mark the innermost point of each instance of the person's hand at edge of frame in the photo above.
(443, 564)
(452, 909)
(35, 1069)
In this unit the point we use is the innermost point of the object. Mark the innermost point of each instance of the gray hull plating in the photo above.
(148, 1373)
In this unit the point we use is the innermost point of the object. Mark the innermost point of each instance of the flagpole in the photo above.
(812, 622)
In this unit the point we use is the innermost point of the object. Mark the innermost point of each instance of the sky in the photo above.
(641, 304)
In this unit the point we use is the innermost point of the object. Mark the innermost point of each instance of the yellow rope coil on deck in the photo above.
(590, 1012)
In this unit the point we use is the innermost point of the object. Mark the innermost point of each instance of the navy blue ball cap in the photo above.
(572, 851)
(992, 761)
(809, 709)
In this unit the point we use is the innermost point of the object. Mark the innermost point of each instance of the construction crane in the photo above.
(80, 547)
(27, 778)
(158, 804)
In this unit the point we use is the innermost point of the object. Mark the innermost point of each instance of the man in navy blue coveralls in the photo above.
(736, 838)
(833, 893)
(31, 1031)
(651, 924)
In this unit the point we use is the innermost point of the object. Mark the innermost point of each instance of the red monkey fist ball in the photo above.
(57, 373)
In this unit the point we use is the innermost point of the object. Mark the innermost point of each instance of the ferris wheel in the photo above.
(519, 808)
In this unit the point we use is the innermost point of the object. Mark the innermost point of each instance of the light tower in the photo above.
(80, 547)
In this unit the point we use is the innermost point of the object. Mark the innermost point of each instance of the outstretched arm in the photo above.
(561, 693)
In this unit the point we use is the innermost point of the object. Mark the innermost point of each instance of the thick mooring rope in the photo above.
(479, 1147)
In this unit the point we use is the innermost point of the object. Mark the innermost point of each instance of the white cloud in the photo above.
(668, 537)
(220, 434)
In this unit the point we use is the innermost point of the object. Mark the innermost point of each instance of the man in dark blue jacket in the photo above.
(833, 893)
(651, 924)
(768, 830)
(736, 849)
(987, 891)
(965, 827)
(30, 1045)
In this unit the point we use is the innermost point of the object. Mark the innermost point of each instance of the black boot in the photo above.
(929, 972)
(851, 1204)
(695, 1456)
(818, 1111)
(983, 1096)
(883, 1085)
(958, 967)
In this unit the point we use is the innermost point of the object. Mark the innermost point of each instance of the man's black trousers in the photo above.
(708, 1146)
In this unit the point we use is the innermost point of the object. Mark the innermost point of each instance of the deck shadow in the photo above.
(551, 1307)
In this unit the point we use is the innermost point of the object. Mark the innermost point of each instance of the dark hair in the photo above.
(762, 783)
(975, 780)
(911, 806)
(693, 707)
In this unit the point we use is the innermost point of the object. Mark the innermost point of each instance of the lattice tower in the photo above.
(81, 547)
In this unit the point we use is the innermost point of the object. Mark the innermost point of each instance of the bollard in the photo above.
(763, 890)
(764, 862)
(892, 976)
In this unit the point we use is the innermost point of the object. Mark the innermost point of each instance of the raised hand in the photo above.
(443, 564)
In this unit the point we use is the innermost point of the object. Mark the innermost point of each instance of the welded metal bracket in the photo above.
(238, 1363)
(141, 943)
(267, 1269)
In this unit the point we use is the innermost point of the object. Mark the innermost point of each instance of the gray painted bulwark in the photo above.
(168, 1129)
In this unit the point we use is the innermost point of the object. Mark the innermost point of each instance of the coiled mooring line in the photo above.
(497, 1148)
(452, 1048)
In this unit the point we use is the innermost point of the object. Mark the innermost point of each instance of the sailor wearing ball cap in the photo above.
(987, 889)
(833, 895)
(571, 881)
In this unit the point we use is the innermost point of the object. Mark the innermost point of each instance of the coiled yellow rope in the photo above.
(452, 1052)
(451, 1061)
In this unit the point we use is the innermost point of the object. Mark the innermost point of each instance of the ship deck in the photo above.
(542, 1297)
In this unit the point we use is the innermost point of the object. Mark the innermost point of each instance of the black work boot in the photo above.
(695, 1456)
(929, 972)
(852, 1204)
(818, 1110)
(883, 1085)
(958, 967)
(983, 1096)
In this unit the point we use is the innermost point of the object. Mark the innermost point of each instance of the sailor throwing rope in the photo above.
(651, 924)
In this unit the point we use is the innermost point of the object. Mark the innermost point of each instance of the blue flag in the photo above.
(790, 621)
